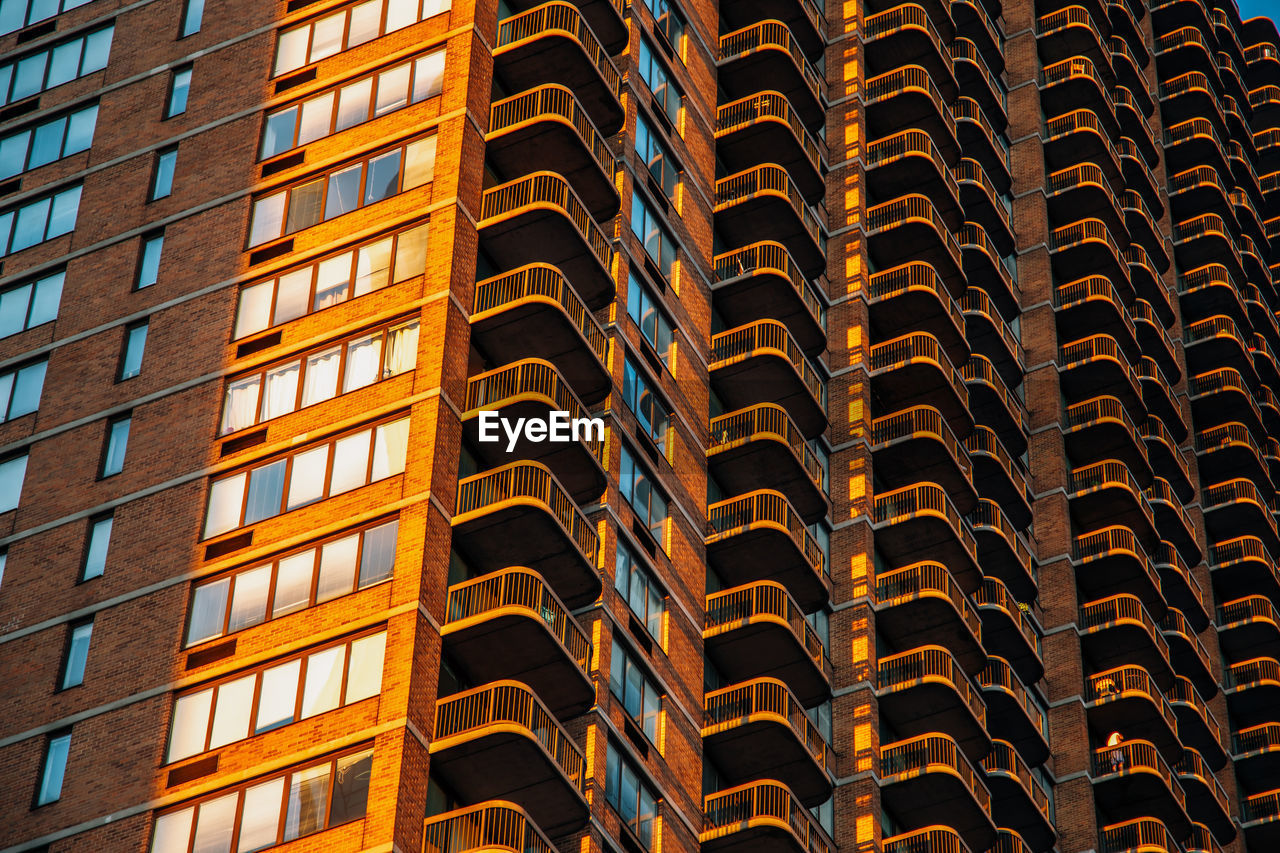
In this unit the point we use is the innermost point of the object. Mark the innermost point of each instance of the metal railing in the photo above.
(1153, 429)
(729, 706)
(726, 609)
(924, 498)
(1093, 287)
(733, 810)
(1166, 556)
(1000, 675)
(558, 15)
(749, 339)
(890, 148)
(917, 755)
(934, 839)
(979, 369)
(1183, 692)
(762, 420)
(906, 78)
(1136, 755)
(773, 34)
(1004, 759)
(528, 480)
(770, 104)
(768, 178)
(527, 376)
(771, 257)
(905, 670)
(547, 188)
(1251, 608)
(1260, 738)
(1194, 766)
(1144, 833)
(1175, 622)
(1260, 806)
(914, 275)
(993, 593)
(912, 208)
(914, 581)
(1116, 682)
(917, 346)
(545, 281)
(764, 506)
(1108, 472)
(1099, 615)
(494, 825)
(983, 440)
(964, 50)
(987, 514)
(969, 171)
(919, 421)
(553, 99)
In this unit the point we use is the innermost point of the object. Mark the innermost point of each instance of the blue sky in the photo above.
(1253, 8)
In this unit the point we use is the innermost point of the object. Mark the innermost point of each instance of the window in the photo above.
(643, 595)
(249, 817)
(117, 443)
(331, 280)
(656, 158)
(645, 404)
(293, 582)
(365, 99)
(666, 96)
(179, 89)
(54, 769)
(135, 343)
(77, 655)
(62, 63)
(658, 243)
(343, 190)
(162, 180)
(12, 472)
(319, 375)
(348, 27)
(646, 312)
(149, 260)
(641, 493)
(95, 552)
(670, 22)
(38, 221)
(4, 558)
(20, 390)
(16, 14)
(30, 304)
(306, 476)
(192, 17)
(41, 144)
(637, 693)
(294, 689)
(629, 793)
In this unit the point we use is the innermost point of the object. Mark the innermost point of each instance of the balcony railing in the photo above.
(979, 369)
(993, 593)
(911, 141)
(930, 662)
(533, 481)
(983, 440)
(530, 376)
(1144, 834)
(1004, 760)
(1000, 674)
(1101, 686)
(768, 334)
(764, 507)
(541, 280)
(1194, 766)
(1122, 608)
(1260, 738)
(912, 208)
(557, 100)
(494, 825)
(772, 179)
(912, 581)
(773, 257)
(970, 171)
(766, 419)
(988, 515)
(917, 346)
(914, 275)
(724, 609)
(560, 16)
(1136, 755)
(912, 77)
(925, 498)
(916, 421)
(1184, 692)
(773, 34)
(758, 803)
(918, 754)
(1261, 806)
(933, 839)
(769, 697)
(770, 105)
(548, 188)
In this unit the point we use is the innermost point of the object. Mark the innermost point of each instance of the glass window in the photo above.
(30, 304)
(179, 88)
(135, 343)
(658, 243)
(54, 769)
(12, 473)
(149, 260)
(192, 16)
(117, 444)
(630, 794)
(20, 390)
(636, 585)
(54, 66)
(637, 486)
(656, 158)
(348, 27)
(166, 164)
(39, 220)
(670, 22)
(95, 552)
(77, 655)
(650, 410)
(658, 79)
(637, 692)
(16, 14)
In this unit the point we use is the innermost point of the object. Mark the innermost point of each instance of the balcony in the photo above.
(985, 203)
(981, 142)
(920, 523)
(1173, 522)
(760, 447)
(1260, 820)
(539, 218)
(995, 473)
(1222, 396)
(1143, 835)
(984, 267)
(803, 18)
(1197, 190)
(548, 126)
(1237, 508)
(1080, 135)
(759, 729)
(510, 625)
(1001, 550)
(1084, 190)
(913, 297)
(994, 404)
(973, 17)
(1008, 629)
(484, 827)
(759, 536)
(1167, 458)
(1188, 95)
(1129, 72)
(910, 163)
(759, 817)
(1253, 690)
(1107, 492)
(977, 79)
(908, 97)
(1216, 342)
(533, 388)
(1206, 800)
(1086, 246)
(927, 690)
(1093, 304)
(1012, 712)
(498, 741)
(1249, 626)
(1071, 31)
(914, 370)
(1180, 587)
(542, 529)
(768, 51)
(1074, 83)
(1138, 782)
(1194, 142)
(922, 605)
(1243, 566)
(1198, 729)
(1265, 103)
(916, 444)
(1187, 654)
(764, 125)
(761, 362)
(928, 780)
(1097, 365)
(1018, 800)
(1229, 451)
(1209, 290)
(553, 43)
(1111, 561)
(1118, 630)
(1134, 124)
(933, 839)
(534, 312)
(1207, 239)
(905, 35)
(910, 228)
(1100, 428)
(763, 281)
(1256, 755)
(759, 630)
(1126, 698)
(763, 203)
(1153, 337)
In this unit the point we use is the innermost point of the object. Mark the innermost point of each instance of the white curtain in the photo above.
(402, 350)
(282, 391)
(240, 409)
(321, 381)
(364, 357)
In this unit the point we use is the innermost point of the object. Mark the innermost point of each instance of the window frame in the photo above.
(27, 21)
(25, 456)
(108, 442)
(164, 171)
(62, 736)
(637, 565)
(643, 783)
(627, 455)
(30, 131)
(7, 395)
(664, 157)
(438, 8)
(169, 108)
(145, 242)
(75, 630)
(10, 217)
(131, 336)
(641, 383)
(631, 661)
(31, 298)
(90, 544)
(642, 210)
(666, 89)
(83, 37)
(189, 25)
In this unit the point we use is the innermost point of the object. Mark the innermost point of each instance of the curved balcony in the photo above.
(763, 281)
(541, 526)
(1157, 396)
(759, 817)
(1216, 342)
(994, 404)
(1173, 523)
(1017, 799)
(1107, 492)
(1249, 626)
(995, 473)
(916, 444)
(511, 625)
(761, 362)
(1138, 782)
(1206, 800)
(1167, 458)
(760, 447)
(1198, 729)
(1111, 561)
(1118, 630)
(1072, 31)
(1001, 550)
(1256, 755)
(768, 51)
(1093, 304)
(805, 19)
(1100, 428)
(763, 203)
(1223, 396)
(909, 228)
(1084, 190)
(914, 298)
(910, 163)
(928, 778)
(981, 142)
(1012, 712)
(1229, 451)
(534, 311)
(919, 523)
(500, 741)
(1180, 587)
(985, 203)
(975, 78)
(1197, 190)
(1138, 175)
(533, 388)
(1263, 60)
(1097, 365)
(972, 17)
(1260, 820)
(1134, 124)
(1188, 95)
(1194, 142)
(1237, 508)
(539, 218)
(922, 605)
(1087, 246)
(932, 839)
(553, 43)
(984, 267)
(1145, 230)
(992, 337)
(926, 690)
(1264, 361)
(1187, 654)
(905, 35)
(765, 123)
(1142, 835)
(1127, 699)
(1008, 629)
(1209, 290)
(1129, 72)
(908, 97)
(1265, 103)
(1080, 135)
(759, 729)
(1243, 566)
(1252, 688)
(547, 125)
(759, 630)
(914, 369)
(1207, 239)
(759, 536)
(1074, 83)
(492, 826)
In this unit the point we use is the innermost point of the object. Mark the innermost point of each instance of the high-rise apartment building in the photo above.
(932, 502)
